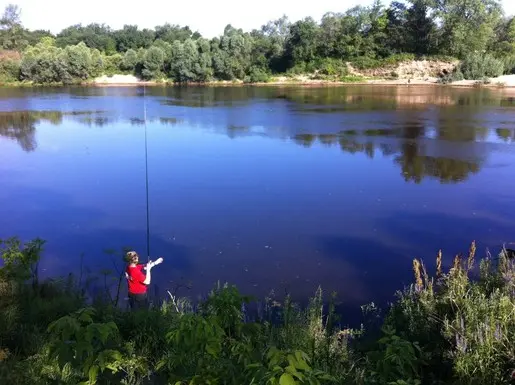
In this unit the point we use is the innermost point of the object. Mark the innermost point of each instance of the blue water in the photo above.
(267, 188)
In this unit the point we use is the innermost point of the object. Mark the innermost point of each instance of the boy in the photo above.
(137, 280)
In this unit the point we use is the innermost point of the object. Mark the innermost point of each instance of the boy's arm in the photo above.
(151, 264)
(147, 277)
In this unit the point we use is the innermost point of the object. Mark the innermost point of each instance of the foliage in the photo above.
(454, 76)
(257, 75)
(464, 327)
(78, 341)
(456, 327)
(367, 36)
(20, 263)
(153, 63)
(9, 70)
(509, 64)
(477, 66)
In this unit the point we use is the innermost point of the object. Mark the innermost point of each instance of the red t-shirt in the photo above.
(136, 278)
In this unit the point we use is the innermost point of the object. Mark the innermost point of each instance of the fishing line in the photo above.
(146, 172)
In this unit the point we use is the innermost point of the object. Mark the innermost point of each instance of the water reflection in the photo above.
(310, 188)
(505, 134)
(409, 146)
(414, 164)
(21, 126)
(415, 167)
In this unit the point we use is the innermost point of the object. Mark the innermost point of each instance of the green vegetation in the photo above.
(457, 327)
(476, 31)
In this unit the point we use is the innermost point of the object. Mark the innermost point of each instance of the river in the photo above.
(269, 188)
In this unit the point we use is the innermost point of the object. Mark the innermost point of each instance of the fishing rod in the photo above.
(146, 172)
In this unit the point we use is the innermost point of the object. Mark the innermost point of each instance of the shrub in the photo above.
(9, 70)
(455, 76)
(454, 327)
(257, 75)
(462, 325)
(332, 67)
(477, 66)
(130, 60)
(509, 64)
(112, 63)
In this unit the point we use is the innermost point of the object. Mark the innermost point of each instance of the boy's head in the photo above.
(132, 257)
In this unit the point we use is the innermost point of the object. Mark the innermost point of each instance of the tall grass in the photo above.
(450, 327)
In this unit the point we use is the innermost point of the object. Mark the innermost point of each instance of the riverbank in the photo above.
(445, 328)
(505, 81)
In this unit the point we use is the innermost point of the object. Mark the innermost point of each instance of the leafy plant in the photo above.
(78, 341)
(20, 263)
(286, 368)
(477, 66)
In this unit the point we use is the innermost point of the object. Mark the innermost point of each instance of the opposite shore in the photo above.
(505, 81)
(124, 80)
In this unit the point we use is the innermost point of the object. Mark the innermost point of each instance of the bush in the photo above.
(332, 67)
(455, 76)
(365, 62)
(257, 75)
(112, 64)
(509, 64)
(477, 66)
(9, 70)
(465, 328)
(78, 60)
(326, 68)
(443, 329)
(153, 62)
(130, 60)
(45, 63)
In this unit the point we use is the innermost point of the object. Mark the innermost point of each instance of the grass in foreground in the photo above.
(446, 329)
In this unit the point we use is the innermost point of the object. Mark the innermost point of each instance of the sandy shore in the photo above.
(131, 80)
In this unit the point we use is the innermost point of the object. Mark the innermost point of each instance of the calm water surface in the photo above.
(268, 188)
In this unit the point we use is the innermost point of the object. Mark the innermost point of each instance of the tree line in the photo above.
(477, 32)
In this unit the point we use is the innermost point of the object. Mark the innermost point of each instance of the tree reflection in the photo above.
(414, 163)
(305, 140)
(416, 167)
(505, 134)
(95, 121)
(21, 126)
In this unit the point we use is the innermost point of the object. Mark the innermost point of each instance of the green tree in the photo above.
(467, 25)
(184, 58)
(171, 33)
(130, 37)
(420, 29)
(153, 63)
(79, 61)
(94, 35)
(130, 60)
(12, 35)
(301, 44)
(44, 63)
(396, 28)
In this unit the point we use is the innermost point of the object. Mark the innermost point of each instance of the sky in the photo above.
(205, 16)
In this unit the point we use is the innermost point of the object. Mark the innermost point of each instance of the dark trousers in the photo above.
(138, 301)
